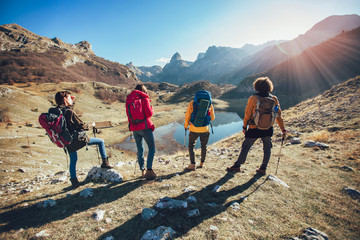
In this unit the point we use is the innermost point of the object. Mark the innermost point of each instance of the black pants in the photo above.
(204, 138)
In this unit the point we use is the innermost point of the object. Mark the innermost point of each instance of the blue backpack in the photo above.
(201, 117)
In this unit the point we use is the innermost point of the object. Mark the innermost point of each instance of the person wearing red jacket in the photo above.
(139, 112)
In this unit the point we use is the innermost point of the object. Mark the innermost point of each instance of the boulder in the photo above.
(311, 234)
(170, 204)
(277, 180)
(148, 213)
(87, 192)
(110, 175)
(353, 193)
(160, 233)
(193, 213)
(46, 203)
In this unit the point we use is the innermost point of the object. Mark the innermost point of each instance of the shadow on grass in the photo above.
(178, 220)
(32, 216)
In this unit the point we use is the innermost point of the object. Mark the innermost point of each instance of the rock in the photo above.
(108, 220)
(311, 144)
(235, 206)
(295, 140)
(21, 170)
(189, 189)
(312, 234)
(87, 192)
(193, 213)
(148, 213)
(58, 180)
(110, 175)
(216, 188)
(347, 169)
(25, 191)
(160, 233)
(119, 164)
(191, 199)
(277, 180)
(353, 193)
(170, 204)
(98, 215)
(250, 221)
(41, 234)
(214, 228)
(46, 203)
(211, 204)
(109, 238)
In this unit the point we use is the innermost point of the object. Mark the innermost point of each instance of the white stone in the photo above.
(110, 175)
(98, 215)
(189, 189)
(277, 180)
(216, 188)
(214, 228)
(43, 233)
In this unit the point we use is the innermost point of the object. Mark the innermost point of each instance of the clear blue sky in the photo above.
(146, 31)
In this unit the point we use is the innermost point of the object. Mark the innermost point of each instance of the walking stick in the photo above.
(97, 146)
(184, 147)
(282, 142)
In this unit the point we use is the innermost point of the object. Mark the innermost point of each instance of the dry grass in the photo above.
(270, 211)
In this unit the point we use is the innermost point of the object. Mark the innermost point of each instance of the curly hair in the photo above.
(59, 97)
(141, 87)
(263, 84)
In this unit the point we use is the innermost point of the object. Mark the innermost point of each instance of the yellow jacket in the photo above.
(192, 128)
(250, 110)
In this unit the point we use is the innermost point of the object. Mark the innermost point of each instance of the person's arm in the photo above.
(188, 114)
(148, 109)
(248, 112)
(212, 112)
(279, 118)
(74, 122)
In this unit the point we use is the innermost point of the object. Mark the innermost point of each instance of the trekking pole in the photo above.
(282, 142)
(184, 147)
(97, 146)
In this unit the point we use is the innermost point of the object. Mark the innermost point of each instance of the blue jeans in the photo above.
(74, 157)
(148, 135)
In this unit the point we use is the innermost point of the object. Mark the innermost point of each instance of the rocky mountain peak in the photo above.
(176, 57)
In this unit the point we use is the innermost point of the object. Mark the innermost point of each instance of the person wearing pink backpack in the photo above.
(139, 112)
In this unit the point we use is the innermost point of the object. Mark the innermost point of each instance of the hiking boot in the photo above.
(201, 165)
(261, 171)
(233, 168)
(150, 174)
(74, 183)
(105, 163)
(191, 167)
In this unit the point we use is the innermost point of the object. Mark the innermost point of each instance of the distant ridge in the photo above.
(312, 72)
(28, 57)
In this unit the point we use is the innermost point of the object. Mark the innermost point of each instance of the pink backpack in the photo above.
(55, 125)
(135, 111)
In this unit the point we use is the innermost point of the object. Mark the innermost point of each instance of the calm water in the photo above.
(169, 139)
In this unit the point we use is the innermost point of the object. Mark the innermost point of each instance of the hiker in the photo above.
(198, 118)
(259, 125)
(65, 101)
(139, 112)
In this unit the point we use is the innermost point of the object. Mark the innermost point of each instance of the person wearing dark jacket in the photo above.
(139, 112)
(77, 128)
(263, 86)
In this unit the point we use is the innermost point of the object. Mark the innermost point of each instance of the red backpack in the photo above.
(135, 111)
(55, 125)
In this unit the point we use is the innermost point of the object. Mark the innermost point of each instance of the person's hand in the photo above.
(284, 132)
(244, 131)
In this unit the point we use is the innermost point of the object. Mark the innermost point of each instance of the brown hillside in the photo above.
(27, 57)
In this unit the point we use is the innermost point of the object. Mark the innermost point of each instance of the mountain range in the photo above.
(231, 65)
(313, 71)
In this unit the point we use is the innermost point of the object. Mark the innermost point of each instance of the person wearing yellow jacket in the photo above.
(197, 132)
(263, 86)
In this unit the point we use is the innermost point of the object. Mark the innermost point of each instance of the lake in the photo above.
(169, 139)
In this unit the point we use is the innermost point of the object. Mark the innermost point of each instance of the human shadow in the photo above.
(32, 216)
(178, 220)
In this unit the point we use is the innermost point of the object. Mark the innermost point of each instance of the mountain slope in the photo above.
(28, 57)
(271, 56)
(312, 72)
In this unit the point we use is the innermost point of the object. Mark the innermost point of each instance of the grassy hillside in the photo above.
(266, 210)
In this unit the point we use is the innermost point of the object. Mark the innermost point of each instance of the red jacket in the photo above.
(147, 111)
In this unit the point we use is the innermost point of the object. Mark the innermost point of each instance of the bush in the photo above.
(4, 117)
